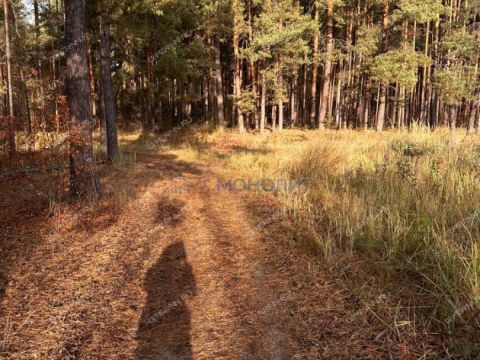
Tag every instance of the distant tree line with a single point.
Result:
(246, 64)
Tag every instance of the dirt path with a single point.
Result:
(176, 273)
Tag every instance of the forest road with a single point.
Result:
(180, 270)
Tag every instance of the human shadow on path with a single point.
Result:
(164, 327)
(3, 289)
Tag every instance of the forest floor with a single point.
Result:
(164, 267)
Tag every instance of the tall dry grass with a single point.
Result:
(409, 203)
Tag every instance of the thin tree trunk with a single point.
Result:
(11, 115)
(383, 87)
(453, 113)
(473, 113)
(434, 102)
(263, 104)
(4, 96)
(339, 118)
(425, 94)
(39, 76)
(280, 115)
(103, 124)
(293, 102)
(274, 117)
(328, 69)
(252, 71)
(27, 108)
(237, 80)
(219, 87)
(150, 89)
(91, 75)
(313, 91)
(304, 93)
(366, 115)
(478, 116)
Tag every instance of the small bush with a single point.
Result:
(409, 148)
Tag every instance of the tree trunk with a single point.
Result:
(252, 71)
(237, 80)
(339, 118)
(328, 69)
(313, 109)
(366, 114)
(103, 124)
(476, 112)
(10, 122)
(304, 95)
(27, 109)
(263, 105)
(219, 87)
(83, 180)
(293, 103)
(92, 83)
(383, 88)
(473, 113)
(41, 91)
(453, 113)
(274, 118)
(425, 94)
(107, 89)
(382, 100)
(280, 115)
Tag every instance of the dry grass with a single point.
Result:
(404, 204)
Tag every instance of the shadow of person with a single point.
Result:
(3, 289)
(164, 327)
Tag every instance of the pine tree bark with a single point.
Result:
(425, 94)
(324, 104)
(304, 94)
(107, 89)
(39, 63)
(91, 76)
(4, 110)
(237, 80)
(263, 105)
(338, 116)
(280, 115)
(471, 119)
(83, 179)
(274, 117)
(383, 88)
(293, 102)
(434, 98)
(315, 50)
(252, 71)
(12, 148)
(452, 114)
(219, 87)
(478, 116)
(27, 106)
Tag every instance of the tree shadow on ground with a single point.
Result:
(164, 327)
(168, 166)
